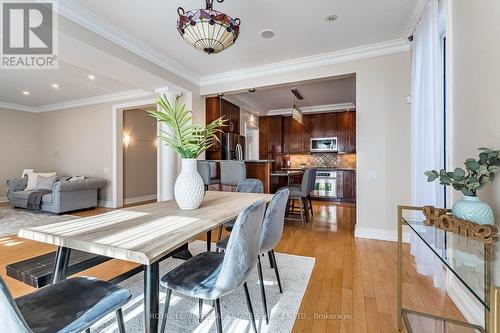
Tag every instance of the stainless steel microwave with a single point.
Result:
(324, 145)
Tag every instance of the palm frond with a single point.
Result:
(187, 139)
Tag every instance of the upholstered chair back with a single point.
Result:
(11, 319)
(274, 220)
(242, 249)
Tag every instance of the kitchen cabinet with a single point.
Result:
(217, 107)
(296, 136)
(347, 132)
(270, 135)
(323, 125)
(349, 184)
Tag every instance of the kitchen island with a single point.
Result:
(258, 169)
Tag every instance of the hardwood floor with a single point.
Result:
(352, 287)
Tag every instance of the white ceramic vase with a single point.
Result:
(189, 189)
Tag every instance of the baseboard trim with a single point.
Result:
(466, 303)
(381, 234)
(105, 204)
(143, 198)
(4, 199)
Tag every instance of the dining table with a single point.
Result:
(143, 234)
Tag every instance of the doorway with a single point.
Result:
(252, 142)
(139, 156)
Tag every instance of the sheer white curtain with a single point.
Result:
(426, 131)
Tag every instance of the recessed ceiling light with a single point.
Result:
(26, 92)
(55, 86)
(252, 90)
(91, 77)
(267, 34)
(331, 18)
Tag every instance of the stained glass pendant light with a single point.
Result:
(208, 30)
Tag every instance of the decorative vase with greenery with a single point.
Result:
(189, 141)
(477, 174)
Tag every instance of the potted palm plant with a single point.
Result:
(189, 141)
(476, 175)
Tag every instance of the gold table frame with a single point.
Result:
(492, 319)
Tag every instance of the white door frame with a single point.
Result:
(118, 147)
(167, 167)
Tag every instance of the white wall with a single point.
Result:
(383, 139)
(476, 85)
(18, 145)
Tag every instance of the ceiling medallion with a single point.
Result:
(208, 30)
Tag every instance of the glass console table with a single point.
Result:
(467, 250)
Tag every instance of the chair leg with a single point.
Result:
(250, 308)
(87, 330)
(311, 206)
(218, 317)
(165, 310)
(120, 321)
(200, 309)
(276, 271)
(271, 263)
(301, 211)
(306, 208)
(262, 291)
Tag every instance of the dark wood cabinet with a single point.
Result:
(296, 136)
(347, 132)
(323, 125)
(270, 135)
(217, 107)
(349, 184)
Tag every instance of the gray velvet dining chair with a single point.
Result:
(249, 185)
(232, 173)
(212, 275)
(208, 172)
(271, 233)
(72, 305)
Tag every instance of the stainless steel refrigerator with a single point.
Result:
(233, 146)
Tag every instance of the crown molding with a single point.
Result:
(315, 109)
(92, 22)
(331, 58)
(17, 107)
(415, 17)
(128, 94)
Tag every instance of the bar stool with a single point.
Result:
(232, 173)
(301, 194)
(208, 172)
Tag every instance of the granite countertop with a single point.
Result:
(286, 173)
(248, 161)
(321, 168)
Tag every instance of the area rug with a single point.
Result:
(13, 219)
(295, 272)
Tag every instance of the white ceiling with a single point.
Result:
(338, 90)
(98, 43)
(72, 80)
(300, 28)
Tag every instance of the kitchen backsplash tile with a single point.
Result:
(324, 160)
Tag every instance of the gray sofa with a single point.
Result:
(66, 196)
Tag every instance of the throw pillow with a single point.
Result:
(45, 183)
(77, 179)
(32, 179)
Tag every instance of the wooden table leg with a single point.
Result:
(60, 264)
(209, 240)
(151, 297)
